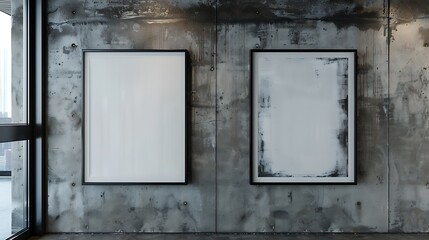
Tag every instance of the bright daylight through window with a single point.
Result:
(13, 110)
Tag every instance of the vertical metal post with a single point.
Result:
(37, 94)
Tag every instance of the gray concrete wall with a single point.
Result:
(391, 190)
(323, 25)
(409, 117)
(77, 25)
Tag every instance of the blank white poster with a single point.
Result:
(135, 111)
(303, 124)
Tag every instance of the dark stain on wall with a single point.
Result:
(342, 14)
(247, 12)
(55, 127)
(54, 178)
(280, 214)
(407, 11)
(424, 35)
(360, 19)
(76, 119)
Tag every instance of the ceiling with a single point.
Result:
(5, 6)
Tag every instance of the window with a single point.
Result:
(5, 88)
(5, 68)
(21, 128)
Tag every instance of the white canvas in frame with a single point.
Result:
(135, 108)
(303, 108)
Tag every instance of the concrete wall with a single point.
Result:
(392, 184)
(409, 117)
(321, 25)
(128, 24)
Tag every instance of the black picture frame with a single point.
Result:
(188, 79)
(274, 73)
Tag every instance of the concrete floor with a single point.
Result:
(233, 237)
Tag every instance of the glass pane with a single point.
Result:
(13, 188)
(5, 159)
(13, 83)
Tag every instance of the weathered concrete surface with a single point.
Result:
(409, 117)
(77, 25)
(219, 197)
(359, 13)
(288, 25)
(235, 237)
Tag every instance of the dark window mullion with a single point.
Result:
(23, 234)
(37, 97)
(11, 133)
(5, 173)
